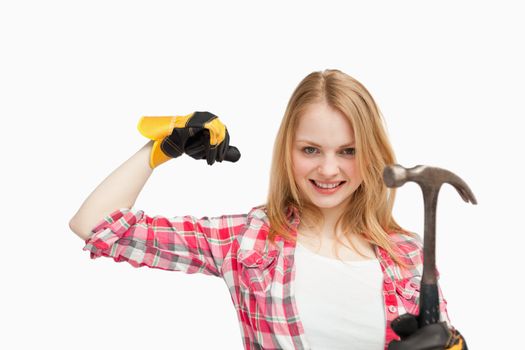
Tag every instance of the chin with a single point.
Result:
(327, 204)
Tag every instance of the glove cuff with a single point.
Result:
(157, 129)
(157, 156)
(456, 341)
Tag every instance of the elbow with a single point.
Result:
(77, 229)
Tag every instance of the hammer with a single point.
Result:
(430, 180)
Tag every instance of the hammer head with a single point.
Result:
(428, 178)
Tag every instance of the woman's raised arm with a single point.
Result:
(201, 135)
(119, 190)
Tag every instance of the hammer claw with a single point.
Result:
(464, 191)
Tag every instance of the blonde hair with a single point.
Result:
(368, 213)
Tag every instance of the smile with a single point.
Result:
(326, 188)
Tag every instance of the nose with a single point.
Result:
(329, 167)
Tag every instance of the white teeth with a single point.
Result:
(322, 185)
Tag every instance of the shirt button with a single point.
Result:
(388, 280)
(392, 308)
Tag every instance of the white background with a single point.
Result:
(75, 78)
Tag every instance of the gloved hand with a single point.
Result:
(201, 135)
(436, 336)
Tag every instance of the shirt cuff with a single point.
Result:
(110, 229)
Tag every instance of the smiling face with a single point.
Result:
(323, 156)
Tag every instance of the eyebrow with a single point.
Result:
(316, 145)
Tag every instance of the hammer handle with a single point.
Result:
(428, 304)
(429, 294)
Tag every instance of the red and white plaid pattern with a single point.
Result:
(259, 275)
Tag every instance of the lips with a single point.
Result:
(339, 183)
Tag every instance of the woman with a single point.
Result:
(321, 265)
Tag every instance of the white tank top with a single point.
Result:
(340, 304)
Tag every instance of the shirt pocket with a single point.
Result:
(257, 271)
(408, 291)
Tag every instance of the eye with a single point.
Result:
(309, 150)
(349, 151)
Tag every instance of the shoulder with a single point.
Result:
(259, 212)
(409, 246)
(406, 241)
(257, 221)
(255, 233)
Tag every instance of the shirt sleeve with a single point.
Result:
(181, 243)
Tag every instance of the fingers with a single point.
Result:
(223, 147)
(197, 144)
(433, 336)
(211, 154)
(405, 325)
(203, 136)
(217, 129)
(227, 152)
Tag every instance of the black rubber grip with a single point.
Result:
(232, 154)
(428, 304)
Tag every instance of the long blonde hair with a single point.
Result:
(368, 213)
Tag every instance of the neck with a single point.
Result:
(326, 230)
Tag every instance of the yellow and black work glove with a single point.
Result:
(201, 135)
(435, 336)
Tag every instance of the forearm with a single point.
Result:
(119, 190)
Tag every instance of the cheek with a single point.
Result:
(301, 166)
(352, 170)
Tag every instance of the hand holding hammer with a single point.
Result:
(424, 331)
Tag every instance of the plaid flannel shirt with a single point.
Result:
(259, 275)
